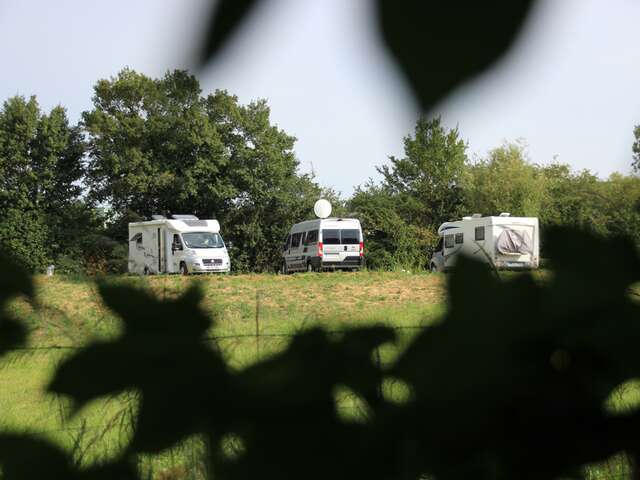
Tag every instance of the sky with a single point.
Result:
(568, 88)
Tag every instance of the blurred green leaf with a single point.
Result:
(439, 45)
(14, 280)
(161, 353)
(226, 16)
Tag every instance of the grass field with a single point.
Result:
(70, 314)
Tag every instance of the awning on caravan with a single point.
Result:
(136, 237)
(512, 241)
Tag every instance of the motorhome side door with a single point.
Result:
(177, 251)
(449, 250)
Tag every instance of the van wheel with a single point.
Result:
(310, 267)
(145, 272)
(434, 269)
(183, 269)
(283, 269)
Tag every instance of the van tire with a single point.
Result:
(284, 270)
(145, 272)
(433, 268)
(310, 267)
(183, 269)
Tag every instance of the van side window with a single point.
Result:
(479, 233)
(439, 246)
(459, 237)
(448, 241)
(286, 243)
(139, 243)
(312, 237)
(295, 240)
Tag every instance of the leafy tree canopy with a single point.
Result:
(427, 181)
(158, 146)
(41, 164)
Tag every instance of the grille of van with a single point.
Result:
(212, 261)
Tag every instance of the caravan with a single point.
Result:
(504, 241)
(182, 244)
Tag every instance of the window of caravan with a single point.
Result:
(448, 241)
(312, 237)
(286, 243)
(331, 237)
(479, 233)
(138, 239)
(341, 237)
(459, 237)
(202, 240)
(350, 237)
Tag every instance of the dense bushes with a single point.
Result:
(400, 215)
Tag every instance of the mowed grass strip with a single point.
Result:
(70, 311)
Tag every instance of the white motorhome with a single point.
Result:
(180, 244)
(504, 241)
(323, 243)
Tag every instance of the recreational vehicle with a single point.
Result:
(504, 241)
(180, 244)
(323, 243)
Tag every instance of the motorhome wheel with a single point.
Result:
(310, 267)
(183, 269)
(434, 269)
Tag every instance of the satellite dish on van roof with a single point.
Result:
(322, 208)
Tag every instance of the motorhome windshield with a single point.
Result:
(203, 240)
(341, 237)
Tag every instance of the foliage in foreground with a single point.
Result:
(513, 383)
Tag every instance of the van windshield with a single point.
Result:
(203, 240)
(341, 237)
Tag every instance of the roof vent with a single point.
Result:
(477, 215)
(158, 217)
(184, 217)
(505, 214)
(466, 218)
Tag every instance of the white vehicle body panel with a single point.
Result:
(504, 241)
(151, 247)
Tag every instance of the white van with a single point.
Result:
(323, 243)
(504, 241)
(182, 244)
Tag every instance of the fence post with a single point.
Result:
(257, 324)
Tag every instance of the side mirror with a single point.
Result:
(176, 246)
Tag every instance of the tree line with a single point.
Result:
(159, 145)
